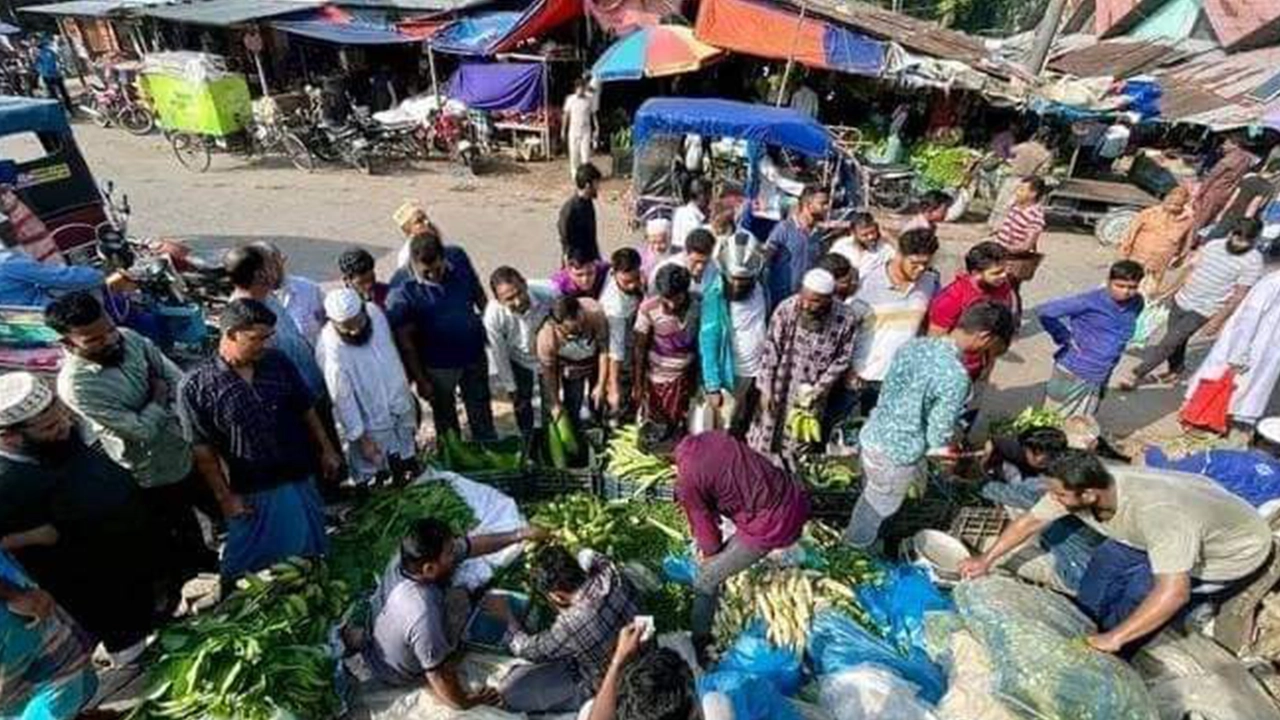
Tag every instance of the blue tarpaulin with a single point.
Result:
(498, 86)
(477, 34)
(345, 27)
(763, 124)
(23, 114)
(852, 52)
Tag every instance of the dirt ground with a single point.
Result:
(507, 215)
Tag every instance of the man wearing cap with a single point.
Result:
(122, 384)
(412, 220)
(808, 351)
(373, 408)
(731, 339)
(74, 518)
(666, 349)
(657, 244)
(257, 436)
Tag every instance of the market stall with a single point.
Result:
(514, 93)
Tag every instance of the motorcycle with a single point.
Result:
(111, 105)
(333, 142)
(463, 137)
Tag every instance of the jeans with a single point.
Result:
(731, 560)
(526, 384)
(473, 382)
(1183, 324)
(549, 687)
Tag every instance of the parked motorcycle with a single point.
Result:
(347, 142)
(463, 137)
(111, 105)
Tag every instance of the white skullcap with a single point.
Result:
(819, 281)
(1269, 429)
(22, 397)
(656, 226)
(343, 304)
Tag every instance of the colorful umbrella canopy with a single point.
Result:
(654, 51)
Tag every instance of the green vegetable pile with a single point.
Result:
(461, 456)
(940, 166)
(1029, 418)
(624, 531)
(620, 139)
(822, 472)
(628, 462)
(260, 654)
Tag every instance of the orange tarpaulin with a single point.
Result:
(754, 29)
(550, 16)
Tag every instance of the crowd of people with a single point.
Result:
(103, 472)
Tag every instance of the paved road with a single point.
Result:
(508, 216)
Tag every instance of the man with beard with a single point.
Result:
(666, 348)
(301, 297)
(1220, 276)
(865, 247)
(986, 278)
(77, 520)
(807, 353)
(1091, 331)
(845, 275)
(511, 323)
(257, 435)
(122, 384)
(1172, 538)
(418, 618)
(792, 248)
(920, 402)
(735, 321)
(373, 408)
(620, 301)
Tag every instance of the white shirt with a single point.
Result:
(682, 260)
(896, 316)
(577, 115)
(620, 310)
(686, 219)
(864, 261)
(750, 319)
(805, 100)
(304, 300)
(367, 382)
(511, 337)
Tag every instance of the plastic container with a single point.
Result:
(938, 554)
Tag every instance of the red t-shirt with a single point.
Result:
(951, 302)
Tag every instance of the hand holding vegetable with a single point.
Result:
(715, 399)
(533, 533)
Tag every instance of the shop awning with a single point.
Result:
(489, 33)
(223, 13)
(498, 87)
(769, 31)
(89, 8)
(345, 27)
(764, 124)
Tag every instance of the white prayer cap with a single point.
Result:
(1269, 429)
(22, 397)
(819, 281)
(343, 304)
(657, 226)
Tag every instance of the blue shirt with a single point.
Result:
(1252, 475)
(1091, 331)
(24, 281)
(921, 399)
(795, 253)
(448, 329)
(47, 63)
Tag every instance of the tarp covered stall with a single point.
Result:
(760, 124)
(345, 27)
(225, 13)
(498, 31)
(496, 87)
(768, 31)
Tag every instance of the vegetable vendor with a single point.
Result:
(418, 618)
(571, 349)
(923, 395)
(666, 349)
(511, 323)
(720, 476)
(594, 601)
(375, 413)
(1173, 538)
(731, 337)
(1024, 457)
(808, 351)
(257, 438)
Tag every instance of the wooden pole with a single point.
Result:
(262, 74)
(791, 56)
(435, 80)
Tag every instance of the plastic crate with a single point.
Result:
(616, 488)
(978, 527)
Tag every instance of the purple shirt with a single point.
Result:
(563, 282)
(1091, 331)
(719, 475)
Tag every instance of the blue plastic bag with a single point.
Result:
(751, 699)
(680, 569)
(838, 643)
(899, 603)
(753, 654)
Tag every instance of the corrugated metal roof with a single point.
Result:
(1109, 15)
(1121, 58)
(89, 8)
(1231, 77)
(916, 35)
(1244, 22)
(225, 12)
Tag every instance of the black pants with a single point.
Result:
(172, 509)
(1183, 324)
(56, 89)
(526, 384)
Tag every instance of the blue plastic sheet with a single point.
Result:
(753, 654)
(837, 643)
(1251, 475)
(760, 124)
(680, 569)
(751, 699)
(898, 605)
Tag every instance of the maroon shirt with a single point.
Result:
(719, 475)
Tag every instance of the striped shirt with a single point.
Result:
(674, 339)
(1216, 274)
(1021, 228)
(897, 315)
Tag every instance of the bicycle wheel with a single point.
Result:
(297, 151)
(137, 120)
(191, 150)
